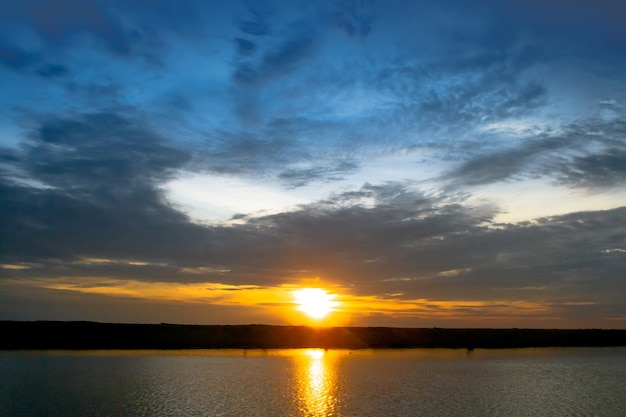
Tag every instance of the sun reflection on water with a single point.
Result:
(316, 382)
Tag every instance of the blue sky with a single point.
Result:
(444, 163)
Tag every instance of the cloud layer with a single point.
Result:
(406, 132)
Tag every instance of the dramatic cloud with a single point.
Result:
(432, 163)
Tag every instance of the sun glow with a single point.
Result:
(315, 302)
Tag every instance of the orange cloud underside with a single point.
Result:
(279, 299)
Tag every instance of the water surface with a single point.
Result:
(313, 382)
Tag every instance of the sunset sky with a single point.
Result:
(428, 163)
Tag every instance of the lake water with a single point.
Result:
(411, 382)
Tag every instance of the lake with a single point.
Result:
(314, 382)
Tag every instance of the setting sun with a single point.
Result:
(315, 302)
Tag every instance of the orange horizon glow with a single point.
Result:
(319, 305)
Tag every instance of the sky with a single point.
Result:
(429, 164)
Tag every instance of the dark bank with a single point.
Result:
(92, 335)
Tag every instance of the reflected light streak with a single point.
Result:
(316, 383)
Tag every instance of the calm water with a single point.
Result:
(415, 382)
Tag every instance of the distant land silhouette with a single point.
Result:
(92, 335)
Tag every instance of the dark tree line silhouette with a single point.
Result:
(91, 335)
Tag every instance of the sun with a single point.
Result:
(315, 302)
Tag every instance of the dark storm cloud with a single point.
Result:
(596, 170)
(427, 248)
(505, 164)
(99, 196)
(578, 157)
(53, 224)
(424, 248)
(562, 253)
(40, 224)
(342, 236)
(103, 149)
(379, 239)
